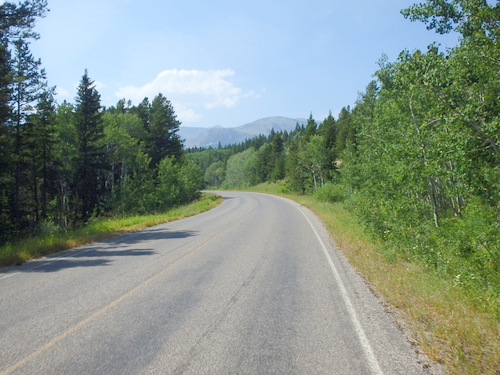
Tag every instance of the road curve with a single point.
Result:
(254, 286)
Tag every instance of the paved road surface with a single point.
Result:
(254, 286)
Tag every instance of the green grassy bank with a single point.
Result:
(53, 241)
(445, 321)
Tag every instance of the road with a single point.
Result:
(254, 286)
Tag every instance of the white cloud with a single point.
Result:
(188, 90)
(99, 85)
(186, 114)
(62, 92)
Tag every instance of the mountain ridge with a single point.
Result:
(212, 137)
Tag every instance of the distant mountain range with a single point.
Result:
(211, 137)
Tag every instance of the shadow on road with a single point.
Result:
(147, 235)
(103, 252)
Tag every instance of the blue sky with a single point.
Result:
(225, 62)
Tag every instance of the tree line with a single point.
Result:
(61, 164)
(417, 157)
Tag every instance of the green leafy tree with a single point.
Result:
(470, 18)
(138, 194)
(123, 132)
(66, 154)
(241, 170)
(215, 174)
(296, 173)
(425, 163)
(168, 189)
(190, 181)
(311, 163)
(177, 182)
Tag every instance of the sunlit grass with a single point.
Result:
(97, 229)
(446, 322)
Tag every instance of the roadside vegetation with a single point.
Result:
(52, 239)
(64, 166)
(414, 167)
(455, 327)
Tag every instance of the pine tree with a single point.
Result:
(163, 126)
(16, 66)
(40, 143)
(89, 184)
(345, 130)
(6, 161)
(28, 85)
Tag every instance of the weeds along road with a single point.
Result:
(254, 286)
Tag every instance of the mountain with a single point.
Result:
(211, 137)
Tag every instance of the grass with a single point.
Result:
(97, 229)
(445, 321)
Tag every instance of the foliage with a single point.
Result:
(331, 192)
(51, 238)
(162, 130)
(416, 158)
(62, 165)
(454, 325)
(241, 170)
(91, 162)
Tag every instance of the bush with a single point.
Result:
(47, 227)
(331, 192)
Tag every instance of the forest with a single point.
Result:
(62, 164)
(416, 157)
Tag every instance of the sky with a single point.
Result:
(226, 62)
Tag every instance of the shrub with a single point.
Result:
(331, 192)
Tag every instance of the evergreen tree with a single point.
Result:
(17, 20)
(28, 86)
(89, 179)
(17, 72)
(311, 127)
(163, 140)
(143, 111)
(5, 84)
(40, 142)
(345, 131)
(328, 130)
(6, 162)
(278, 171)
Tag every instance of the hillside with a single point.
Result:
(211, 137)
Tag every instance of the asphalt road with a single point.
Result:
(254, 286)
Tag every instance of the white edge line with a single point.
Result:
(9, 275)
(372, 360)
